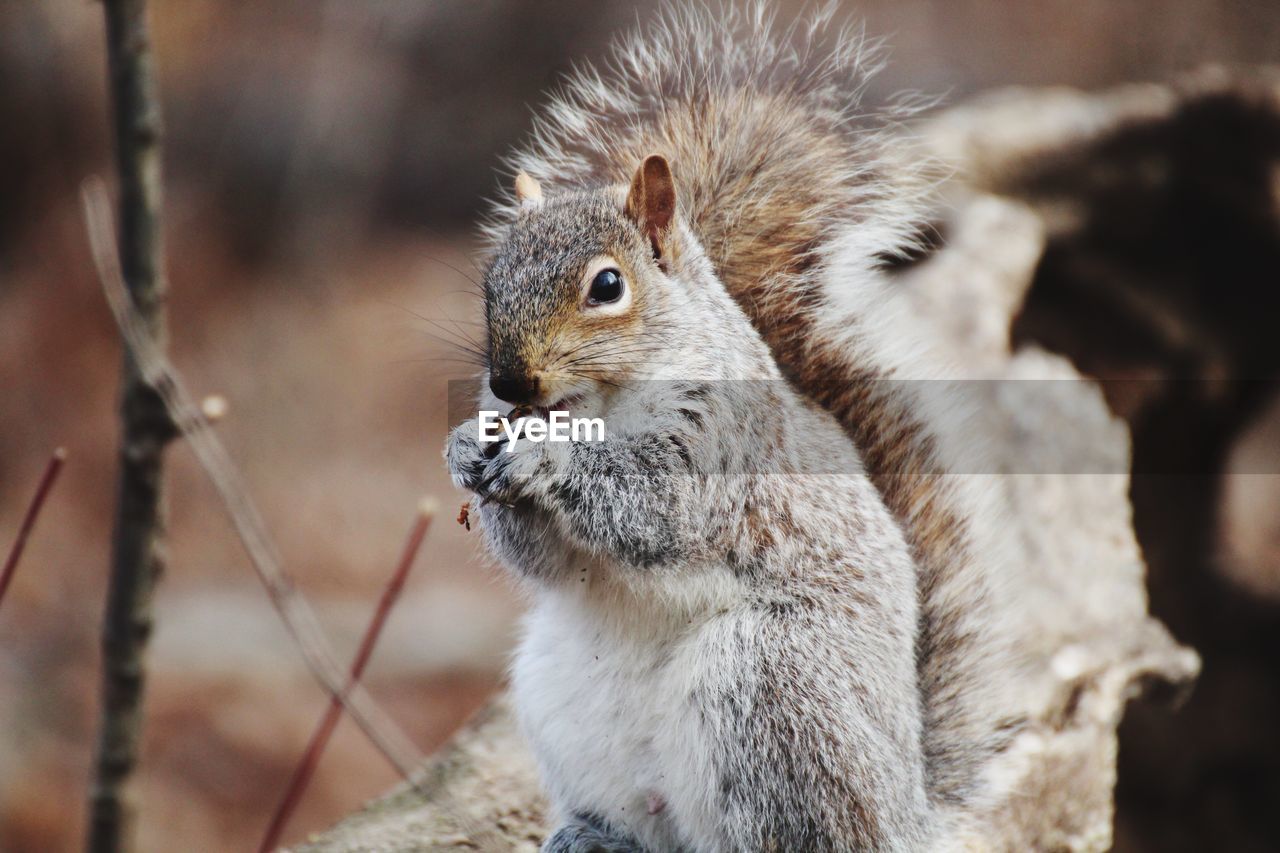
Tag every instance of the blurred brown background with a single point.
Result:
(325, 164)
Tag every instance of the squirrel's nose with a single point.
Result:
(516, 390)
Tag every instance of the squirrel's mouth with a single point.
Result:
(561, 405)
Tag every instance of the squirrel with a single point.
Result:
(762, 616)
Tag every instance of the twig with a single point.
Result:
(298, 616)
(29, 520)
(320, 738)
(136, 558)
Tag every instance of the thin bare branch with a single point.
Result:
(47, 480)
(294, 610)
(137, 556)
(329, 722)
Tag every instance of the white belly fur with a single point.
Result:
(602, 691)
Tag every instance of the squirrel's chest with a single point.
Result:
(611, 722)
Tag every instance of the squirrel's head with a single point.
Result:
(578, 295)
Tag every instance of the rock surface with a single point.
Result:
(479, 792)
(1062, 460)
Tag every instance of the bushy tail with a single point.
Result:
(798, 196)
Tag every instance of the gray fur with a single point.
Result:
(588, 834)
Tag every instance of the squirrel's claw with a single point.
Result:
(485, 489)
(494, 448)
(510, 476)
(489, 498)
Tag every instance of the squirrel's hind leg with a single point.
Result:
(585, 833)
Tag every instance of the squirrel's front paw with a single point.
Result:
(585, 834)
(509, 476)
(466, 456)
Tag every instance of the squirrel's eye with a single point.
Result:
(605, 287)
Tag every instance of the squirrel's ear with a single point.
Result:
(651, 203)
(528, 191)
